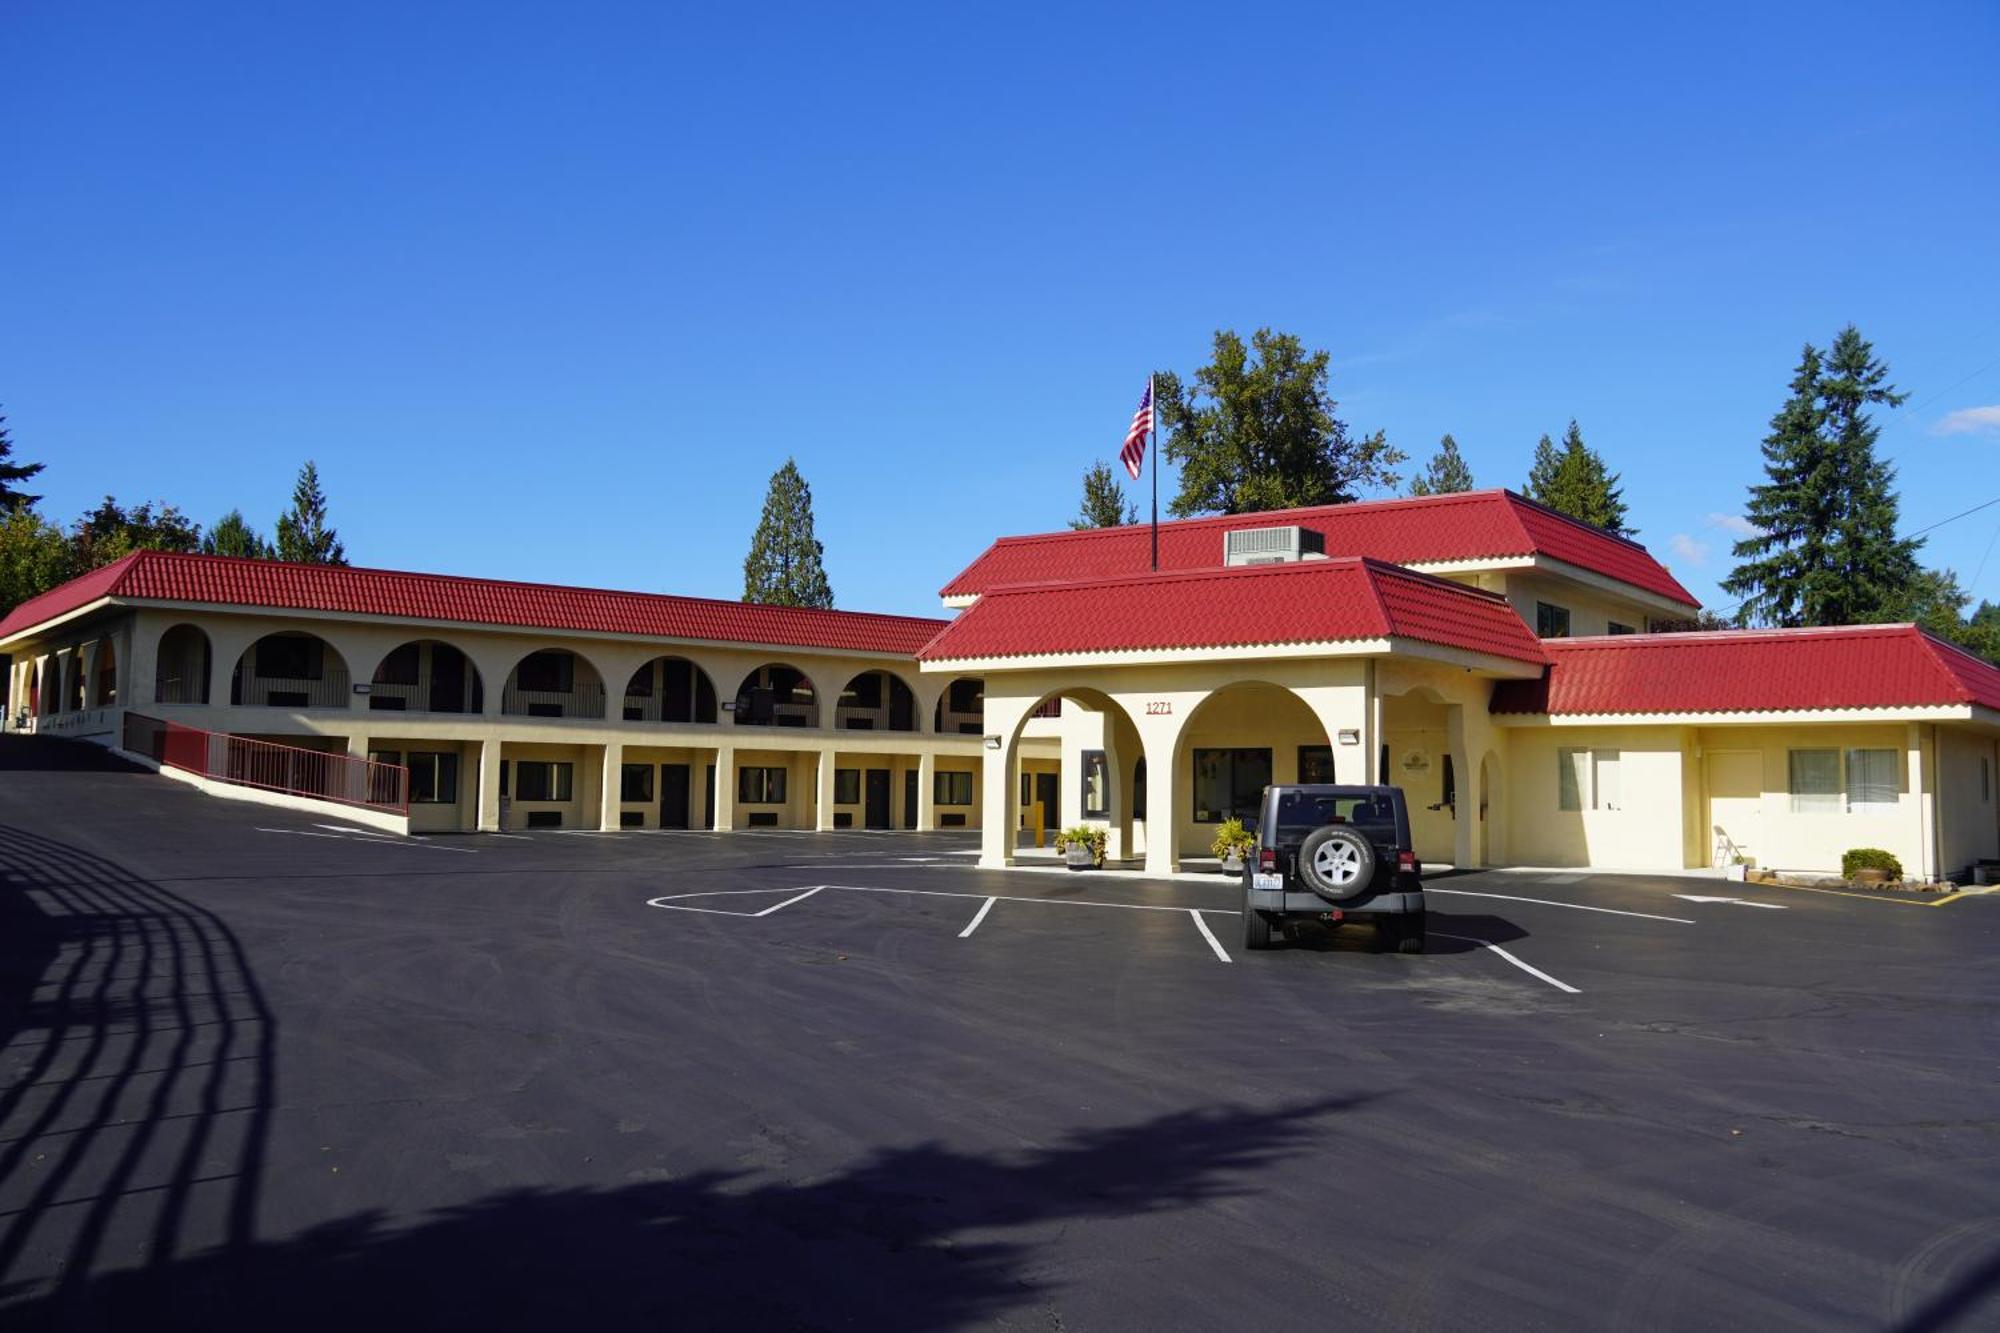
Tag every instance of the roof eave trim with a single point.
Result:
(1747, 717)
(43, 626)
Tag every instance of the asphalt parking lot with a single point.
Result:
(262, 1070)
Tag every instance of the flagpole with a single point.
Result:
(1155, 414)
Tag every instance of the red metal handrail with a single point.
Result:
(269, 766)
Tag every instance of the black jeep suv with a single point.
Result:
(1330, 853)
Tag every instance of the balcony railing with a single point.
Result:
(178, 690)
(578, 701)
(424, 697)
(243, 762)
(328, 691)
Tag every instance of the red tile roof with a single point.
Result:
(1753, 671)
(167, 577)
(1470, 525)
(1311, 601)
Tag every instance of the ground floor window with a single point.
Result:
(635, 782)
(1868, 782)
(1316, 763)
(1587, 779)
(433, 775)
(1096, 785)
(846, 786)
(542, 780)
(1814, 781)
(951, 788)
(1874, 781)
(1229, 783)
(760, 786)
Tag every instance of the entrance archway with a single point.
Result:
(1417, 755)
(1237, 741)
(1092, 780)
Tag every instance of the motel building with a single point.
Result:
(1487, 655)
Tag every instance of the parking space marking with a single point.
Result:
(1208, 934)
(1529, 968)
(387, 840)
(1551, 902)
(674, 903)
(671, 900)
(978, 917)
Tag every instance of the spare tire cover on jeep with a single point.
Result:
(1336, 862)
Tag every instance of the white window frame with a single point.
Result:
(1829, 801)
(1852, 785)
(1589, 778)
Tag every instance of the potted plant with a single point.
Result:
(1870, 866)
(1082, 846)
(1233, 842)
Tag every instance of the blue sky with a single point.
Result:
(550, 290)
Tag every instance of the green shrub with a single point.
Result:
(1859, 859)
(1231, 834)
(1084, 835)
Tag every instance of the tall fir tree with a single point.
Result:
(1446, 473)
(11, 496)
(233, 535)
(785, 565)
(1574, 480)
(1104, 503)
(1826, 550)
(304, 536)
(1256, 431)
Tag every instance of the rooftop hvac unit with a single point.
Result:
(1271, 546)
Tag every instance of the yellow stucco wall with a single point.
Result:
(1968, 790)
(1643, 832)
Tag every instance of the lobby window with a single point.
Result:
(1096, 785)
(1587, 779)
(541, 780)
(760, 786)
(847, 786)
(1874, 781)
(1551, 621)
(635, 782)
(1615, 628)
(1316, 763)
(1814, 781)
(951, 788)
(1229, 783)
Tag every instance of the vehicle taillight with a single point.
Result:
(1406, 862)
(1267, 859)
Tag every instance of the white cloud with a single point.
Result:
(1970, 421)
(1734, 524)
(1683, 547)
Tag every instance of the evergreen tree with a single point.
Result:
(233, 535)
(12, 472)
(1826, 550)
(784, 565)
(1104, 503)
(1446, 473)
(303, 534)
(1574, 480)
(1256, 431)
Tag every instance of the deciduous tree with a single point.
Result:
(1256, 431)
(785, 566)
(111, 532)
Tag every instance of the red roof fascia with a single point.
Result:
(1469, 525)
(1753, 671)
(1312, 601)
(221, 580)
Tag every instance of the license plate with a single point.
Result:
(1267, 881)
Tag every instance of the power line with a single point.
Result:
(1955, 517)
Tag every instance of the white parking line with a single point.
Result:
(1551, 902)
(1208, 934)
(672, 901)
(1529, 968)
(978, 917)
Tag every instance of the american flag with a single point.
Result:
(1134, 452)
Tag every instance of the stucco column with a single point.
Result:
(45, 688)
(612, 799)
(926, 792)
(489, 786)
(87, 664)
(823, 795)
(1166, 790)
(725, 787)
(1465, 795)
(1923, 807)
(999, 806)
(221, 669)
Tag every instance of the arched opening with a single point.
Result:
(1238, 741)
(181, 672)
(290, 669)
(669, 689)
(73, 682)
(776, 695)
(961, 709)
(104, 686)
(34, 689)
(426, 676)
(1416, 755)
(876, 701)
(554, 682)
(1074, 759)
